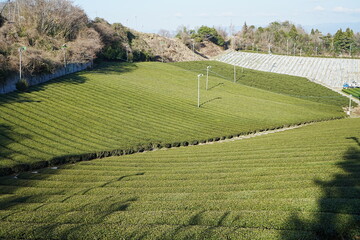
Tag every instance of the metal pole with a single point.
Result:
(287, 46)
(200, 75)
(349, 112)
(64, 57)
(20, 62)
(207, 77)
(234, 73)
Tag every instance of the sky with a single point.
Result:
(153, 15)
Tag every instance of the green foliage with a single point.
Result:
(298, 184)
(353, 91)
(114, 53)
(343, 40)
(286, 38)
(22, 85)
(210, 34)
(123, 105)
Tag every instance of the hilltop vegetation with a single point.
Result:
(286, 38)
(132, 107)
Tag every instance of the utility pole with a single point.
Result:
(287, 47)
(21, 49)
(63, 47)
(270, 49)
(349, 112)
(234, 73)
(200, 75)
(207, 77)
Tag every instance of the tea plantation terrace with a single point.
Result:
(298, 184)
(123, 108)
(332, 72)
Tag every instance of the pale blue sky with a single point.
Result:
(152, 15)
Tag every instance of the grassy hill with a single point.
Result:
(298, 184)
(280, 83)
(131, 107)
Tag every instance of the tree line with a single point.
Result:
(278, 37)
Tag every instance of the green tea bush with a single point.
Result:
(22, 85)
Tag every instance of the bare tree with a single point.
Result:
(164, 33)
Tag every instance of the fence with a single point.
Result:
(10, 83)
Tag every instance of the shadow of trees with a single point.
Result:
(114, 67)
(75, 220)
(338, 215)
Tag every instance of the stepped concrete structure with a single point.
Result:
(331, 72)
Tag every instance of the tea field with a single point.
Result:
(353, 91)
(297, 184)
(129, 107)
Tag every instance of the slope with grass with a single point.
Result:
(299, 184)
(279, 83)
(126, 106)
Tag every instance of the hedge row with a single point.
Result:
(4, 171)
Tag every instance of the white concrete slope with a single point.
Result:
(331, 72)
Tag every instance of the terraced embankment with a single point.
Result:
(123, 108)
(298, 184)
(332, 72)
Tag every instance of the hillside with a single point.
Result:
(56, 33)
(132, 106)
(298, 184)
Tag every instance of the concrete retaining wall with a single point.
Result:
(10, 83)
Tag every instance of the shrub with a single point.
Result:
(185, 143)
(195, 142)
(168, 145)
(37, 165)
(5, 171)
(20, 168)
(22, 85)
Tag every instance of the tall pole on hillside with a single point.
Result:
(287, 46)
(21, 49)
(200, 75)
(207, 77)
(234, 73)
(63, 47)
(349, 112)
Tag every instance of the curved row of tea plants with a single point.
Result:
(298, 184)
(122, 106)
(355, 92)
